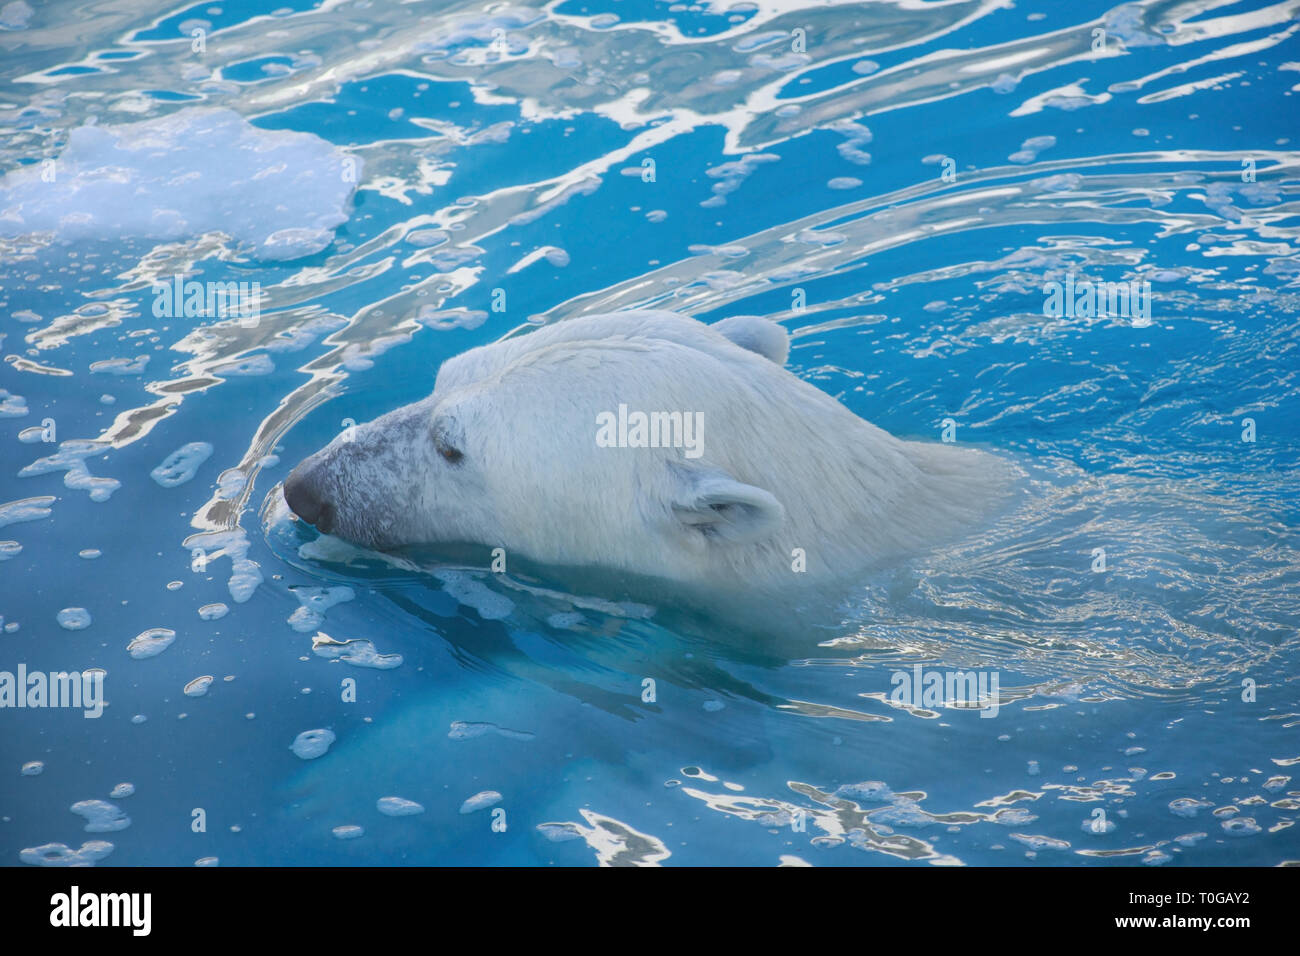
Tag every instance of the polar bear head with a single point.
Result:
(609, 441)
(644, 443)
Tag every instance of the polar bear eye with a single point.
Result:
(446, 434)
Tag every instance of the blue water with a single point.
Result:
(1160, 690)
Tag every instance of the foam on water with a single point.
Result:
(461, 585)
(26, 509)
(101, 816)
(314, 603)
(358, 652)
(60, 854)
(182, 464)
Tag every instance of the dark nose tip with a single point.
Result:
(304, 499)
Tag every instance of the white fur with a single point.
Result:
(783, 465)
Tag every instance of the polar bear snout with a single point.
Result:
(305, 498)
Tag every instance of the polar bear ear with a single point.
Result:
(757, 334)
(714, 504)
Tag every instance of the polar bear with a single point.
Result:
(648, 446)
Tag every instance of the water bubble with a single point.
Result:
(198, 687)
(311, 744)
(73, 618)
(480, 801)
(150, 643)
(398, 807)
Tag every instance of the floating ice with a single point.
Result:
(32, 768)
(60, 854)
(101, 816)
(843, 182)
(314, 603)
(480, 801)
(182, 464)
(9, 549)
(89, 554)
(311, 744)
(206, 861)
(195, 171)
(213, 612)
(348, 832)
(397, 807)
(359, 653)
(122, 790)
(151, 643)
(73, 618)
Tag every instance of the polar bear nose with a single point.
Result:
(305, 500)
